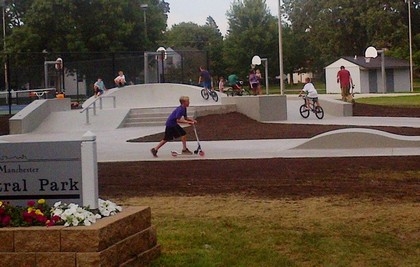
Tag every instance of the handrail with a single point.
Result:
(27, 91)
(94, 105)
(38, 92)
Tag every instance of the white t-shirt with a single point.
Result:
(310, 90)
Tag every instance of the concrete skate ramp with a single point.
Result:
(154, 95)
(355, 138)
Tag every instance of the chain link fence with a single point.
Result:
(81, 70)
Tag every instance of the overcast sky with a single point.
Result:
(197, 11)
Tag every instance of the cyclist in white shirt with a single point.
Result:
(310, 92)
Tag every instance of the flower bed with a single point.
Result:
(39, 213)
(125, 239)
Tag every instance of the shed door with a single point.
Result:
(390, 81)
(373, 81)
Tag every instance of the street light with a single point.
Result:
(162, 52)
(280, 51)
(372, 52)
(6, 72)
(145, 7)
(410, 45)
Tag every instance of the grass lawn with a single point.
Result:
(237, 231)
(399, 101)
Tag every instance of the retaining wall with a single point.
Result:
(125, 239)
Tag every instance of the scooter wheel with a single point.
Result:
(201, 153)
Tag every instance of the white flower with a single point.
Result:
(108, 208)
(74, 215)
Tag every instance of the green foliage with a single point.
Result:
(335, 28)
(314, 33)
(252, 31)
(81, 26)
(207, 38)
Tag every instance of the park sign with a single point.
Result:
(50, 170)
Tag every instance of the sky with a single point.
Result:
(197, 11)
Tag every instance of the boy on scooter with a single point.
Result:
(172, 128)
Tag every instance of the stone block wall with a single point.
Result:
(125, 239)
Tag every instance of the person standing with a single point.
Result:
(205, 78)
(221, 84)
(173, 129)
(260, 81)
(344, 78)
(254, 83)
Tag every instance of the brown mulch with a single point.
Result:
(396, 178)
(236, 126)
(384, 111)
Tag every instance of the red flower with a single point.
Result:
(5, 220)
(27, 217)
(41, 218)
(31, 203)
(56, 218)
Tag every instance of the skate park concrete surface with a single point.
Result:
(112, 136)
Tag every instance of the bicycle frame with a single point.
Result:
(317, 110)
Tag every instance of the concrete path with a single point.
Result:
(112, 145)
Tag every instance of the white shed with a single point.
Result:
(367, 77)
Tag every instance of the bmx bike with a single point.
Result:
(237, 90)
(304, 111)
(207, 92)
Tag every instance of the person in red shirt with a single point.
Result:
(344, 78)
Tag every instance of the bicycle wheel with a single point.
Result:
(303, 111)
(246, 91)
(204, 93)
(214, 96)
(319, 112)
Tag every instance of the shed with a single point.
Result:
(367, 77)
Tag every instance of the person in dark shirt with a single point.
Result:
(172, 128)
(205, 78)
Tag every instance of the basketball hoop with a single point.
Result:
(40, 94)
(59, 63)
(256, 60)
(370, 52)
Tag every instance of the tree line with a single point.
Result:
(314, 33)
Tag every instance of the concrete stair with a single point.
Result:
(139, 117)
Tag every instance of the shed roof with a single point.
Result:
(375, 63)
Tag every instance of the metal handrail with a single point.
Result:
(27, 91)
(94, 106)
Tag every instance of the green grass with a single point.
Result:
(236, 231)
(398, 101)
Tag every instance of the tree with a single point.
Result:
(81, 26)
(81, 29)
(335, 28)
(206, 40)
(252, 31)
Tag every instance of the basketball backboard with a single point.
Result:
(256, 60)
(370, 52)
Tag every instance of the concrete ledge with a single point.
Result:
(29, 118)
(336, 107)
(355, 138)
(200, 111)
(125, 239)
(260, 108)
